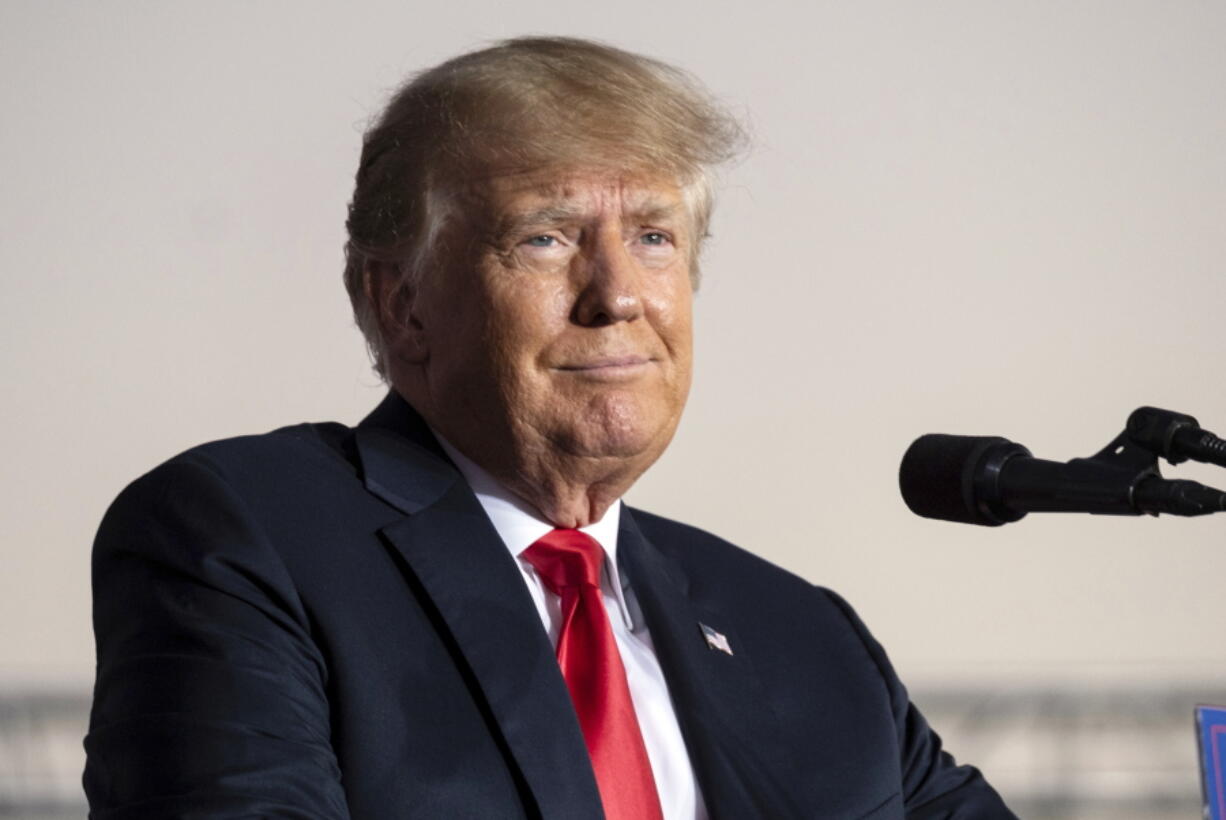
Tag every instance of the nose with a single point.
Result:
(610, 282)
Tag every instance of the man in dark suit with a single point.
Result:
(446, 611)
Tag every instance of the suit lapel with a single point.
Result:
(724, 717)
(455, 554)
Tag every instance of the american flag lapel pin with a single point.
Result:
(715, 640)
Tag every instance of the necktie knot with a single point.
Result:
(566, 559)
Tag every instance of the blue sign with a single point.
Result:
(1211, 726)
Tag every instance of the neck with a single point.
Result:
(564, 496)
(565, 504)
(568, 491)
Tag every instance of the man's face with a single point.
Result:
(564, 328)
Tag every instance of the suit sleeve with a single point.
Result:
(210, 699)
(935, 787)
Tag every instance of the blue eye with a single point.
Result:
(654, 238)
(543, 241)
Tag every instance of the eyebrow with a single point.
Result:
(564, 212)
(548, 215)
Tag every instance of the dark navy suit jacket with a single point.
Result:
(322, 622)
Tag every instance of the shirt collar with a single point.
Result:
(519, 524)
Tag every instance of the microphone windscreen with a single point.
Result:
(937, 477)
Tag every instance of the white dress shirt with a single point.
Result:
(520, 526)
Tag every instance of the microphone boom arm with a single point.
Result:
(1121, 479)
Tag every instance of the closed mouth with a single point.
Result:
(608, 363)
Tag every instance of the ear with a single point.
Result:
(395, 304)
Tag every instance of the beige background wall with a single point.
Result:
(1002, 217)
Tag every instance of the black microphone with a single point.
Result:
(991, 481)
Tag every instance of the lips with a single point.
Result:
(608, 362)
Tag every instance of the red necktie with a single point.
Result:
(569, 562)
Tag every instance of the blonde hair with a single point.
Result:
(523, 104)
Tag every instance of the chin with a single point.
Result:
(623, 429)
(627, 444)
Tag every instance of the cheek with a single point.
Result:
(677, 332)
(673, 311)
(524, 320)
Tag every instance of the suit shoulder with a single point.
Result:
(321, 442)
(278, 456)
(305, 442)
(248, 495)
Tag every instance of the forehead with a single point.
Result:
(563, 192)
